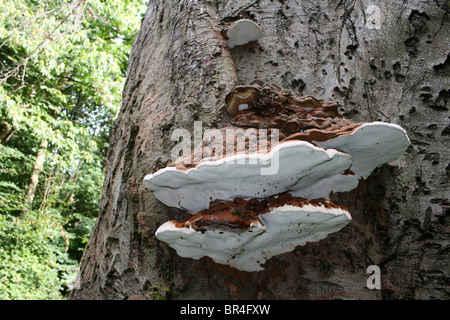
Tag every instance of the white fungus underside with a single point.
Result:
(304, 170)
(283, 229)
(371, 145)
(242, 32)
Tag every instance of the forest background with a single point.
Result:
(62, 71)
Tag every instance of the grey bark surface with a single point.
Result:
(180, 71)
(34, 178)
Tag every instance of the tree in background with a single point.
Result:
(62, 70)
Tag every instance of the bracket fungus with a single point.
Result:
(370, 145)
(320, 123)
(241, 32)
(300, 166)
(245, 234)
(247, 207)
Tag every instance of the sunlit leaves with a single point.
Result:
(62, 70)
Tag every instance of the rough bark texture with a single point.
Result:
(6, 131)
(37, 168)
(180, 70)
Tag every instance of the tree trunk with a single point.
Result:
(37, 168)
(386, 62)
(6, 131)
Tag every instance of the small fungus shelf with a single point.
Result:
(241, 32)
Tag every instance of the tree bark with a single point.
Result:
(180, 70)
(6, 131)
(37, 168)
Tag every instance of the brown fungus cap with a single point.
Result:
(238, 214)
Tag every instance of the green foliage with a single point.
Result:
(62, 69)
(15, 168)
(31, 257)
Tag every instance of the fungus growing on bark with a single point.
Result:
(370, 145)
(241, 32)
(242, 216)
(241, 95)
(298, 166)
(246, 233)
(319, 122)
